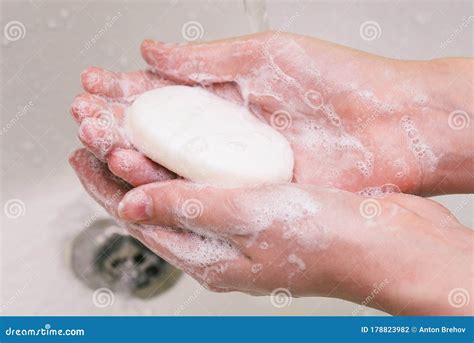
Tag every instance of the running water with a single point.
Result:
(256, 11)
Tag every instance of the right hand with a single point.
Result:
(307, 240)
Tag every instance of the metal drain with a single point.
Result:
(104, 255)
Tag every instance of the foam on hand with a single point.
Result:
(207, 139)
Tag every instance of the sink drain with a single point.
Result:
(104, 255)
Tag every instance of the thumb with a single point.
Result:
(180, 204)
(219, 61)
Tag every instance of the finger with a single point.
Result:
(117, 84)
(187, 250)
(178, 203)
(101, 137)
(98, 181)
(157, 239)
(205, 63)
(214, 263)
(87, 105)
(136, 168)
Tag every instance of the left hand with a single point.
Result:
(334, 105)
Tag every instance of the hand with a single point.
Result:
(306, 239)
(354, 120)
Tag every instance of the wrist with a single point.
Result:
(430, 270)
(430, 128)
(408, 265)
(439, 127)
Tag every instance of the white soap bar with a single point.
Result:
(207, 139)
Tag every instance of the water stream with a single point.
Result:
(256, 11)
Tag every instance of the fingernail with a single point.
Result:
(136, 206)
(147, 43)
(90, 77)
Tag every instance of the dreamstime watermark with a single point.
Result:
(197, 292)
(47, 330)
(103, 120)
(14, 30)
(14, 208)
(285, 27)
(450, 218)
(458, 120)
(192, 31)
(461, 27)
(370, 208)
(280, 297)
(12, 122)
(103, 297)
(282, 29)
(107, 203)
(192, 209)
(281, 120)
(32, 275)
(366, 123)
(370, 30)
(459, 297)
(107, 26)
(377, 289)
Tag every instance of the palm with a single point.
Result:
(337, 129)
(331, 149)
